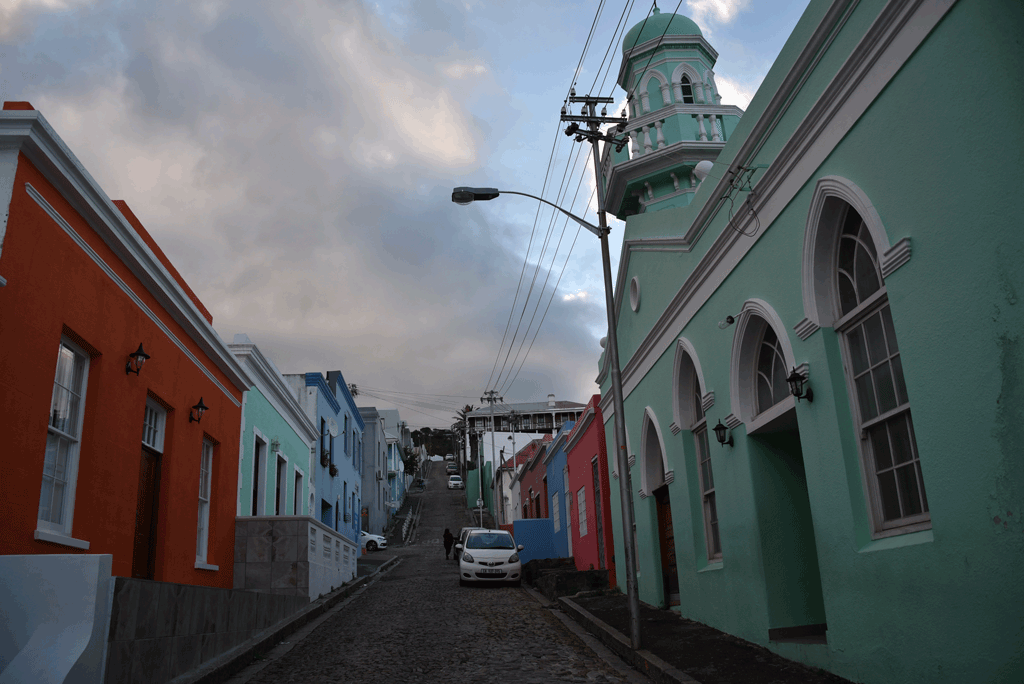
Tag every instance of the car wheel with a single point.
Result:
(371, 546)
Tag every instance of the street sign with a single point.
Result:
(479, 502)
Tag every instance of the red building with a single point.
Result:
(100, 456)
(587, 461)
(533, 480)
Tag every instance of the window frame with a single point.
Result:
(844, 324)
(203, 523)
(702, 445)
(61, 533)
(160, 428)
(581, 510)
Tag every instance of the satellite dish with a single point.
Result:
(332, 427)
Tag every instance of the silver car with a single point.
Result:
(489, 556)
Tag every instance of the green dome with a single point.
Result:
(659, 24)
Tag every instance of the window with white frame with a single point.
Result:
(770, 386)
(281, 494)
(205, 487)
(699, 428)
(687, 90)
(555, 517)
(581, 505)
(297, 499)
(63, 440)
(153, 421)
(881, 408)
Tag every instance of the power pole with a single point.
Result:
(592, 132)
(491, 397)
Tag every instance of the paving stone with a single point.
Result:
(417, 624)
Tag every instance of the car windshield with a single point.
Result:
(455, 478)
(490, 540)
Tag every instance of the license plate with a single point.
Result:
(490, 571)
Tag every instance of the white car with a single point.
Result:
(489, 556)
(372, 542)
(455, 482)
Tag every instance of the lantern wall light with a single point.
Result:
(135, 360)
(720, 434)
(796, 387)
(196, 414)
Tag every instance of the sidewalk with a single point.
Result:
(674, 649)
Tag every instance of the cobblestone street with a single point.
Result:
(417, 624)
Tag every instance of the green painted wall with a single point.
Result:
(938, 605)
(261, 414)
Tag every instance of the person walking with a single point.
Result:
(448, 541)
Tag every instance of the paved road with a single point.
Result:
(417, 624)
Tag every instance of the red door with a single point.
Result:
(667, 540)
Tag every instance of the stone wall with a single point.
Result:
(160, 630)
(292, 556)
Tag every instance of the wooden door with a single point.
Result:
(598, 515)
(143, 557)
(667, 540)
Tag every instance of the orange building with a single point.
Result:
(101, 456)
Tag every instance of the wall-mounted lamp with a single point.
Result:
(135, 361)
(720, 432)
(196, 414)
(796, 387)
(726, 322)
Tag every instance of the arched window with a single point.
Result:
(699, 428)
(875, 373)
(687, 90)
(771, 383)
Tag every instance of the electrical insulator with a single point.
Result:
(563, 110)
(572, 92)
(604, 111)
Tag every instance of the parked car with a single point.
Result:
(455, 482)
(450, 457)
(452, 469)
(462, 537)
(489, 556)
(372, 542)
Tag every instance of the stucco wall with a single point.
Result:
(889, 603)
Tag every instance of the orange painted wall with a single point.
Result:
(53, 283)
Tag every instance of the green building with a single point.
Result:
(858, 231)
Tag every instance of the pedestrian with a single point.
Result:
(448, 541)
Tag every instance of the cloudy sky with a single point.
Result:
(295, 161)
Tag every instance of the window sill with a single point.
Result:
(62, 539)
(895, 542)
(717, 565)
(205, 566)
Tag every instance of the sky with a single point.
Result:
(295, 161)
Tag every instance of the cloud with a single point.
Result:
(720, 11)
(735, 93)
(463, 69)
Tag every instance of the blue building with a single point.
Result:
(555, 464)
(335, 495)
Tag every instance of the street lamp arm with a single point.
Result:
(589, 226)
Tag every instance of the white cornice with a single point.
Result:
(666, 40)
(898, 30)
(33, 136)
(272, 386)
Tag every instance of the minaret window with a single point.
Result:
(687, 91)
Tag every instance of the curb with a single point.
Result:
(229, 663)
(644, 661)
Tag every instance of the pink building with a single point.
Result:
(591, 517)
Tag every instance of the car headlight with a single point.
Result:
(514, 558)
(466, 557)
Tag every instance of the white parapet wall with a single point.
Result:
(55, 612)
(295, 555)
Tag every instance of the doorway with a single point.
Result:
(144, 553)
(796, 607)
(667, 542)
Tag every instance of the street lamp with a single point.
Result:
(465, 196)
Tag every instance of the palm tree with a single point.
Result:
(462, 423)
